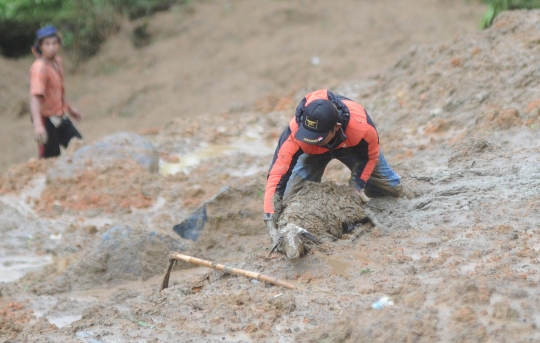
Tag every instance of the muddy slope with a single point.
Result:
(459, 262)
(475, 85)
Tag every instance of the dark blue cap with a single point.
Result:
(318, 120)
(47, 31)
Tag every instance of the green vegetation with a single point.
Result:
(85, 24)
(366, 271)
(135, 9)
(497, 6)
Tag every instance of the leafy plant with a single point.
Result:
(498, 6)
(85, 24)
(139, 8)
(366, 271)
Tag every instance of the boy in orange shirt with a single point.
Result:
(48, 107)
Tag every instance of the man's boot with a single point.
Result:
(405, 191)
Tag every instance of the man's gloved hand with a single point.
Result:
(359, 190)
(362, 196)
(271, 226)
(271, 219)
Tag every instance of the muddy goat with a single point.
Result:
(318, 212)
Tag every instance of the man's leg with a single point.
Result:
(308, 168)
(383, 180)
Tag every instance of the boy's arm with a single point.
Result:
(74, 112)
(40, 134)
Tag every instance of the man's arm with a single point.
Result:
(364, 173)
(40, 134)
(285, 158)
(372, 139)
(74, 112)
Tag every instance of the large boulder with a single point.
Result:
(104, 154)
(123, 253)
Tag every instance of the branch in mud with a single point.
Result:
(214, 265)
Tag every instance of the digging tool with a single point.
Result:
(252, 275)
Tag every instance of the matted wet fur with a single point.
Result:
(319, 212)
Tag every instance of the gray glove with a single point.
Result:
(271, 226)
(362, 195)
(271, 219)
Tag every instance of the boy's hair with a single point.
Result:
(43, 33)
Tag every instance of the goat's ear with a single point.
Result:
(309, 235)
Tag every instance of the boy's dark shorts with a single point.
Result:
(57, 136)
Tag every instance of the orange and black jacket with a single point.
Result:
(358, 133)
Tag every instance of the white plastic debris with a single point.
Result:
(55, 236)
(315, 60)
(382, 302)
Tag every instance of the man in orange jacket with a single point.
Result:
(327, 126)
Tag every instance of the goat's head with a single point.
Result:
(291, 241)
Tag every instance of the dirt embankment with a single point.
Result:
(475, 85)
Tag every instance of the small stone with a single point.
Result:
(456, 61)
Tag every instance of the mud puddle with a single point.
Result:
(338, 265)
(13, 268)
(248, 143)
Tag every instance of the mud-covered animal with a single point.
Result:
(319, 212)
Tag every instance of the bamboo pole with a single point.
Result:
(252, 275)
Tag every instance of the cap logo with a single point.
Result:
(313, 140)
(311, 123)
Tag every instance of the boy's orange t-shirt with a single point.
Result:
(46, 80)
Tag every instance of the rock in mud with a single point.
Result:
(234, 210)
(123, 253)
(106, 153)
(465, 152)
(319, 212)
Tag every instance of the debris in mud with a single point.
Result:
(382, 302)
(319, 212)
